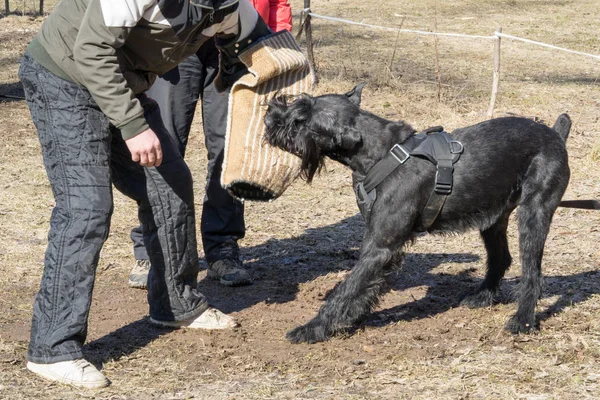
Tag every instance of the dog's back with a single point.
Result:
(505, 159)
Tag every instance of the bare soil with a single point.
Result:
(418, 344)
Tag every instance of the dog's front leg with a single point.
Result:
(352, 299)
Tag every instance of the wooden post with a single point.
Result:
(7, 7)
(496, 82)
(309, 43)
(41, 7)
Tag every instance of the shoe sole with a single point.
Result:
(137, 285)
(177, 325)
(138, 281)
(215, 276)
(57, 378)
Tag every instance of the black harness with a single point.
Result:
(434, 145)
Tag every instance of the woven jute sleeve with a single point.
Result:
(252, 169)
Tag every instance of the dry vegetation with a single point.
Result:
(419, 344)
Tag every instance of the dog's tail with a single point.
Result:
(563, 126)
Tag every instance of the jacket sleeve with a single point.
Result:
(239, 23)
(280, 15)
(104, 28)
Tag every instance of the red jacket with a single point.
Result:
(276, 13)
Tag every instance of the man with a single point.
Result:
(84, 77)
(177, 93)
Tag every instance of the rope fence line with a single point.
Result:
(313, 15)
(550, 46)
(306, 15)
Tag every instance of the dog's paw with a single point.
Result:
(515, 326)
(479, 299)
(309, 333)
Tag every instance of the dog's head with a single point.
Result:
(315, 127)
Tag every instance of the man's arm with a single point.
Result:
(105, 27)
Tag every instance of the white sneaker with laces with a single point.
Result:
(209, 319)
(74, 372)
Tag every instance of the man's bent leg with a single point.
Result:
(176, 94)
(166, 211)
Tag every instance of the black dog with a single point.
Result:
(507, 162)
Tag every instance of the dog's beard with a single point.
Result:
(286, 128)
(312, 158)
(300, 144)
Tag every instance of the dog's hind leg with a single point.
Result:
(498, 262)
(542, 191)
(352, 299)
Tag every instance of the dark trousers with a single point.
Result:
(177, 93)
(83, 154)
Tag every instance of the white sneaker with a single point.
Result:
(209, 319)
(75, 372)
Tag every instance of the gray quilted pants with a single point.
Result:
(83, 154)
(177, 92)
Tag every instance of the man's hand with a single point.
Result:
(145, 148)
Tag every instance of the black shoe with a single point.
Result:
(229, 272)
(138, 277)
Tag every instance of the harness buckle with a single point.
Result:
(461, 148)
(398, 151)
(443, 180)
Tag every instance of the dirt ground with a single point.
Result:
(418, 344)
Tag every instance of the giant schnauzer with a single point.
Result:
(506, 162)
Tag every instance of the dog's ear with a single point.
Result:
(288, 111)
(355, 93)
(300, 110)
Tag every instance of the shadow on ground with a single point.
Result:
(11, 92)
(280, 266)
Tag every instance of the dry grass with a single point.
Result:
(419, 345)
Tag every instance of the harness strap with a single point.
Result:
(430, 212)
(397, 156)
(439, 148)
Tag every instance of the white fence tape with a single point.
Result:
(504, 35)
(461, 35)
(497, 36)
(313, 15)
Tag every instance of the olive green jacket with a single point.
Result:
(115, 48)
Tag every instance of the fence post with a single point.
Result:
(41, 7)
(496, 82)
(7, 7)
(309, 43)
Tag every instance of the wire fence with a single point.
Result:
(305, 26)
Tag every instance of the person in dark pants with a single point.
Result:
(222, 225)
(84, 76)
(177, 93)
